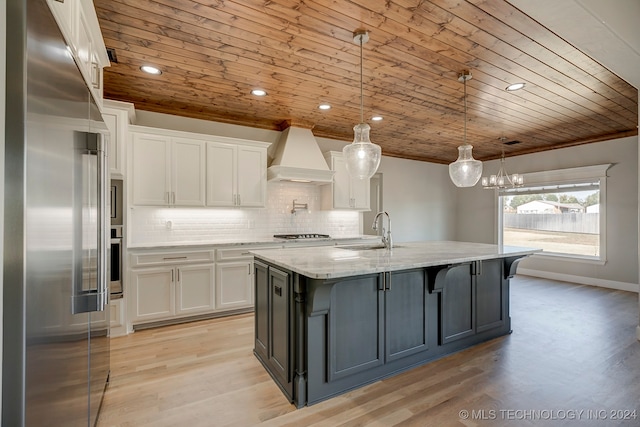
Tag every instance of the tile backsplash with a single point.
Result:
(149, 225)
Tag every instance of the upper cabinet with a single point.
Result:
(345, 192)
(79, 25)
(117, 116)
(171, 168)
(167, 171)
(236, 174)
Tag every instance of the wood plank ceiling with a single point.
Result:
(302, 52)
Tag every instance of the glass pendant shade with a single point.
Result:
(466, 171)
(362, 157)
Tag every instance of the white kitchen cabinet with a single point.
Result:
(79, 25)
(167, 171)
(235, 281)
(167, 285)
(345, 192)
(195, 291)
(234, 276)
(152, 293)
(117, 116)
(236, 175)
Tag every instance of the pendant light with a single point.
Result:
(466, 171)
(362, 157)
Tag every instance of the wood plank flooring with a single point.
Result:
(573, 349)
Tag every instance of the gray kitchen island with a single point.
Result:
(331, 319)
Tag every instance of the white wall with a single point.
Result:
(420, 198)
(478, 210)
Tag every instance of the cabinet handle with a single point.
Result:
(172, 278)
(389, 282)
(239, 202)
(179, 276)
(174, 257)
(277, 290)
(173, 197)
(245, 253)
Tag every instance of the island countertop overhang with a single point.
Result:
(336, 262)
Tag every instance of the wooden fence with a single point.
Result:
(587, 223)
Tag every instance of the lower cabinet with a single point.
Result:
(273, 323)
(473, 299)
(235, 283)
(376, 319)
(164, 292)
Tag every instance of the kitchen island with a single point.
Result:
(331, 319)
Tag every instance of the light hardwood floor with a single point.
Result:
(573, 348)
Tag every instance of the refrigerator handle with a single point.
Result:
(95, 299)
(102, 169)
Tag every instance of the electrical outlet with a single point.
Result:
(169, 224)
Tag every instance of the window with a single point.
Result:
(560, 211)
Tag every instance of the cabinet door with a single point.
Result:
(152, 293)
(233, 284)
(279, 348)
(405, 314)
(111, 121)
(252, 176)
(66, 15)
(221, 174)
(360, 194)
(187, 172)
(195, 292)
(151, 169)
(458, 302)
(261, 288)
(356, 328)
(490, 295)
(341, 184)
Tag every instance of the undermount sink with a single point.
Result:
(366, 247)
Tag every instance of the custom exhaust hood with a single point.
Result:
(298, 158)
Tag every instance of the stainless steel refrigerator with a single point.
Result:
(55, 324)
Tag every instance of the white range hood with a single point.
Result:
(298, 158)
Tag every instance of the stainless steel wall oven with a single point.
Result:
(115, 264)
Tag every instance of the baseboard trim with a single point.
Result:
(611, 284)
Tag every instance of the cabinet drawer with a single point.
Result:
(161, 258)
(240, 252)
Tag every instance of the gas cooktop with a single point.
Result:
(301, 236)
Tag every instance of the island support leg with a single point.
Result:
(300, 380)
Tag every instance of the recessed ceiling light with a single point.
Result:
(151, 70)
(324, 106)
(259, 92)
(515, 86)
(376, 118)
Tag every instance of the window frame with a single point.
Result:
(545, 181)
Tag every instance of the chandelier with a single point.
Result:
(502, 179)
(466, 171)
(362, 157)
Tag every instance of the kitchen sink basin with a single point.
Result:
(365, 247)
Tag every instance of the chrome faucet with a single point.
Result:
(387, 241)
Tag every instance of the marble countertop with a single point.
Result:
(193, 244)
(335, 261)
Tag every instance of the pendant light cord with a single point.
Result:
(464, 77)
(361, 92)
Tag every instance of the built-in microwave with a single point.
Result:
(116, 202)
